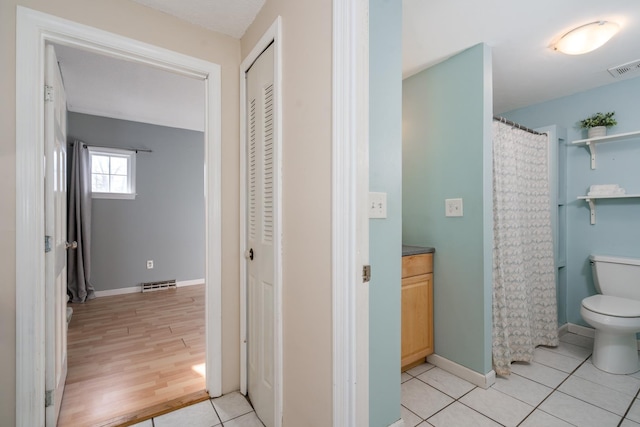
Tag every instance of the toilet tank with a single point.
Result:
(615, 276)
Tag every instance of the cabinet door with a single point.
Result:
(417, 318)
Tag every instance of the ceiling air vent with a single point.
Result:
(627, 69)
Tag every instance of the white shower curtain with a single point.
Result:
(524, 288)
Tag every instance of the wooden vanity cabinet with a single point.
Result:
(417, 309)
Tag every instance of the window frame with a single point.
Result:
(131, 172)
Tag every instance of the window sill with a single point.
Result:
(117, 196)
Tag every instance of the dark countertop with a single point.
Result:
(416, 250)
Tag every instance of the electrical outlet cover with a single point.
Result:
(377, 205)
(453, 207)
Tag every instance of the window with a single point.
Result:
(113, 173)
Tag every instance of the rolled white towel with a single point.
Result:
(606, 190)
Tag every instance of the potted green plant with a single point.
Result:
(598, 123)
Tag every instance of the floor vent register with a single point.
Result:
(159, 286)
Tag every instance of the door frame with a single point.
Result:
(33, 31)
(350, 220)
(272, 35)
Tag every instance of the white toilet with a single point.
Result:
(615, 314)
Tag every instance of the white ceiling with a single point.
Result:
(231, 17)
(104, 86)
(525, 70)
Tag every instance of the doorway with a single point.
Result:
(34, 30)
(132, 351)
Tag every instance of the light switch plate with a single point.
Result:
(377, 205)
(453, 207)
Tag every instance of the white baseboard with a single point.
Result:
(399, 423)
(138, 288)
(181, 283)
(563, 330)
(481, 380)
(581, 330)
(119, 291)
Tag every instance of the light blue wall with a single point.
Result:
(447, 112)
(617, 230)
(385, 235)
(165, 222)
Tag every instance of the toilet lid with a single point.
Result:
(612, 306)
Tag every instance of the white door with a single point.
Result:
(56, 232)
(260, 235)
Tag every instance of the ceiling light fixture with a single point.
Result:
(586, 37)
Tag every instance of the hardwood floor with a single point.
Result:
(131, 352)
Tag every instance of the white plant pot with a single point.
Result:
(597, 131)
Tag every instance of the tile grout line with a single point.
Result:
(629, 408)
(216, 411)
(484, 415)
(554, 390)
(230, 419)
(412, 378)
(571, 374)
(536, 407)
(454, 401)
(462, 403)
(429, 385)
(475, 410)
(607, 387)
(419, 417)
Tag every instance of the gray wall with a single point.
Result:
(165, 222)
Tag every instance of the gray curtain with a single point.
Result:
(79, 225)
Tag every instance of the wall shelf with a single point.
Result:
(591, 143)
(592, 202)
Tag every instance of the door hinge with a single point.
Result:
(48, 93)
(47, 244)
(366, 273)
(48, 398)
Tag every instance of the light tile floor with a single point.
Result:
(560, 388)
(230, 410)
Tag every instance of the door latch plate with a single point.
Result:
(366, 273)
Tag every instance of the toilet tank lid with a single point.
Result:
(615, 260)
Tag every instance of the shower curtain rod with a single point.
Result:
(141, 150)
(516, 125)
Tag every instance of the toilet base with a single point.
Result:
(615, 353)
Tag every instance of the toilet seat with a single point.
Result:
(612, 306)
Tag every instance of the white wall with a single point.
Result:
(307, 93)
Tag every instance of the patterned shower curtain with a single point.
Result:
(524, 288)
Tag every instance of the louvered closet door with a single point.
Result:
(260, 216)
